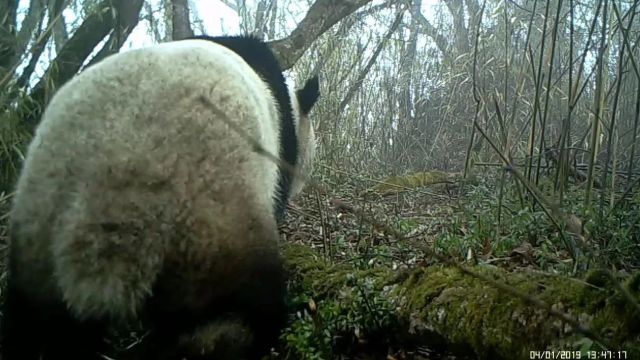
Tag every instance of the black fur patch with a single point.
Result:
(260, 57)
(308, 95)
(259, 303)
(45, 330)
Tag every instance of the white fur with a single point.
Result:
(306, 145)
(128, 172)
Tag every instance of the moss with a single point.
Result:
(312, 274)
(633, 284)
(440, 301)
(465, 310)
(401, 183)
(598, 277)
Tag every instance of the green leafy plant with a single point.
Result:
(356, 316)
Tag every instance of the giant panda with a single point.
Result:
(139, 201)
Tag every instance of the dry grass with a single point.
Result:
(4, 217)
(5, 200)
(348, 226)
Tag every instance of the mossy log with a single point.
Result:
(395, 184)
(439, 302)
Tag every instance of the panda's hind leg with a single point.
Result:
(33, 330)
(70, 338)
(263, 304)
(245, 324)
(21, 335)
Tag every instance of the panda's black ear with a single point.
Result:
(308, 95)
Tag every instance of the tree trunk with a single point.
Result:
(322, 15)
(127, 20)
(60, 35)
(456, 8)
(180, 22)
(406, 122)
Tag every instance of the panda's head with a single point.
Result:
(297, 141)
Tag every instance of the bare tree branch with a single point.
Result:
(322, 15)
(60, 34)
(272, 20)
(34, 16)
(356, 84)
(75, 51)
(230, 4)
(260, 23)
(154, 31)
(343, 31)
(127, 19)
(441, 41)
(333, 43)
(8, 12)
(55, 15)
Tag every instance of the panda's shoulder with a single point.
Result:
(254, 52)
(184, 53)
(250, 48)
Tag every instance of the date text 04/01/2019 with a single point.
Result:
(575, 354)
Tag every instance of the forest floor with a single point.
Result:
(355, 225)
(349, 225)
(353, 222)
(406, 230)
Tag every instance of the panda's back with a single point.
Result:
(129, 172)
(148, 97)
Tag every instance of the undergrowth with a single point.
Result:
(475, 225)
(491, 230)
(358, 319)
(14, 139)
